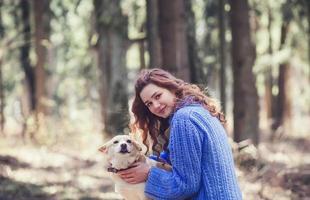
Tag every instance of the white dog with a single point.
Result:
(121, 152)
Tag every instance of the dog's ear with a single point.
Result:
(103, 149)
(137, 145)
(106, 146)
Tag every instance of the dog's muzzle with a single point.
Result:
(124, 148)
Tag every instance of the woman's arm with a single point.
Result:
(185, 151)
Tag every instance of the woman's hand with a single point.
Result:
(136, 174)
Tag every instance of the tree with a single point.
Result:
(2, 119)
(111, 26)
(284, 100)
(210, 45)
(307, 5)
(28, 69)
(172, 31)
(41, 38)
(153, 39)
(194, 61)
(222, 57)
(269, 97)
(245, 93)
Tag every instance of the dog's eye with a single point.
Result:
(115, 142)
(129, 141)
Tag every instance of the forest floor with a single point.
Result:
(72, 169)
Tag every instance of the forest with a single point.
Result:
(67, 72)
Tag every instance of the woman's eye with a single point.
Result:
(129, 141)
(157, 96)
(148, 105)
(115, 142)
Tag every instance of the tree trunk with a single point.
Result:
(111, 26)
(153, 39)
(141, 55)
(268, 76)
(308, 14)
(25, 56)
(222, 57)
(2, 99)
(210, 48)
(284, 102)
(41, 37)
(245, 92)
(284, 113)
(194, 61)
(141, 44)
(172, 30)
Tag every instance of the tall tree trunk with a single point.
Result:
(284, 102)
(41, 34)
(245, 92)
(153, 39)
(111, 26)
(172, 30)
(25, 55)
(141, 55)
(222, 30)
(308, 14)
(268, 75)
(2, 99)
(194, 61)
(141, 44)
(210, 48)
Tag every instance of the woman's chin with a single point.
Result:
(165, 115)
(162, 116)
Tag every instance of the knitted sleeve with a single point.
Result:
(185, 152)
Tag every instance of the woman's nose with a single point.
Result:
(156, 105)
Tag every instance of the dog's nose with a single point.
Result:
(123, 146)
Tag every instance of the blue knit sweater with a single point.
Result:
(201, 158)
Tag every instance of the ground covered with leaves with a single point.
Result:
(71, 169)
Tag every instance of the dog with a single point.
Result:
(120, 153)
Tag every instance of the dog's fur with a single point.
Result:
(121, 152)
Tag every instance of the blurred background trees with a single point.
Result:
(111, 47)
(67, 67)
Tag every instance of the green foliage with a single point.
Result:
(136, 12)
(73, 70)
(295, 50)
(72, 80)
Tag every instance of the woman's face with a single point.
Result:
(158, 100)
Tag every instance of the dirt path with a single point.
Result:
(30, 172)
(71, 170)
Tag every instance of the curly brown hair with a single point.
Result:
(154, 126)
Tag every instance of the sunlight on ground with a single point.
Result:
(70, 167)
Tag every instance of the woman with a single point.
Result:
(201, 158)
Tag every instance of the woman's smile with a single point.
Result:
(162, 110)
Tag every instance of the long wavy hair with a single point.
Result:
(154, 126)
